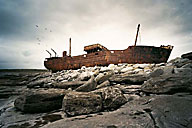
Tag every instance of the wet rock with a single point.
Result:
(37, 101)
(112, 97)
(128, 79)
(88, 86)
(78, 103)
(180, 81)
(187, 55)
(68, 84)
(104, 84)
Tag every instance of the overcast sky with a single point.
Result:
(29, 27)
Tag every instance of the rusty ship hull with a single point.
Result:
(98, 55)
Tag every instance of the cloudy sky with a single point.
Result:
(29, 27)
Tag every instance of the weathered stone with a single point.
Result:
(70, 84)
(38, 83)
(104, 84)
(157, 72)
(84, 76)
(129, 89)
(182, 70)
(37, 101)
(187, 55)
(105, 69)
(189, 65)
(103, 77)
(171, 111)
(112, 97)
(78, 103)
(88, 86)
(128, 79)
(180, 81)
(127, 69)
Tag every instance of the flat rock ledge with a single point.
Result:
(41, 100)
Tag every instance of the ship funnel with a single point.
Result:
(49, 53)
(69, 46)
(137, 34)
(54, 52)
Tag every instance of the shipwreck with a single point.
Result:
(98, 55)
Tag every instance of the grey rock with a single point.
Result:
(187, 55)
(181, 81)
(78, 103)
(129, 89)
(68, 84)
(182, 71)
(38, 101)
(88, 86)
(112, 97)
(84, 76)
(189, 65)
(157, 72)
(126, 69)
(130, 115)
(104, 84)
(103, 77)
(179, 62)
(39, 82)
(167, 70)
(128, 79)
(171, 111)
(105, 69)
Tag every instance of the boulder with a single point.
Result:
(68, 84)
(38, 101)
(105, 69)
(157, 72)
(129, 89)
(189, 65)
(78, 103)
(112, 97)
(84, 76)
(104, 84)
(39, 82)
(179, 81)
(187, 55)
(167, 70)
(127, 69)
(88, 86)
(128, 79)
(103, 77)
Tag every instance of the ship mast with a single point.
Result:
(137, 34)
(69, 46)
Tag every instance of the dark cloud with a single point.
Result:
(12, 17)
(95, 18)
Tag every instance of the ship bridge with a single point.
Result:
(94, 48)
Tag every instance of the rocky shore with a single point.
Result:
(115, 96)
